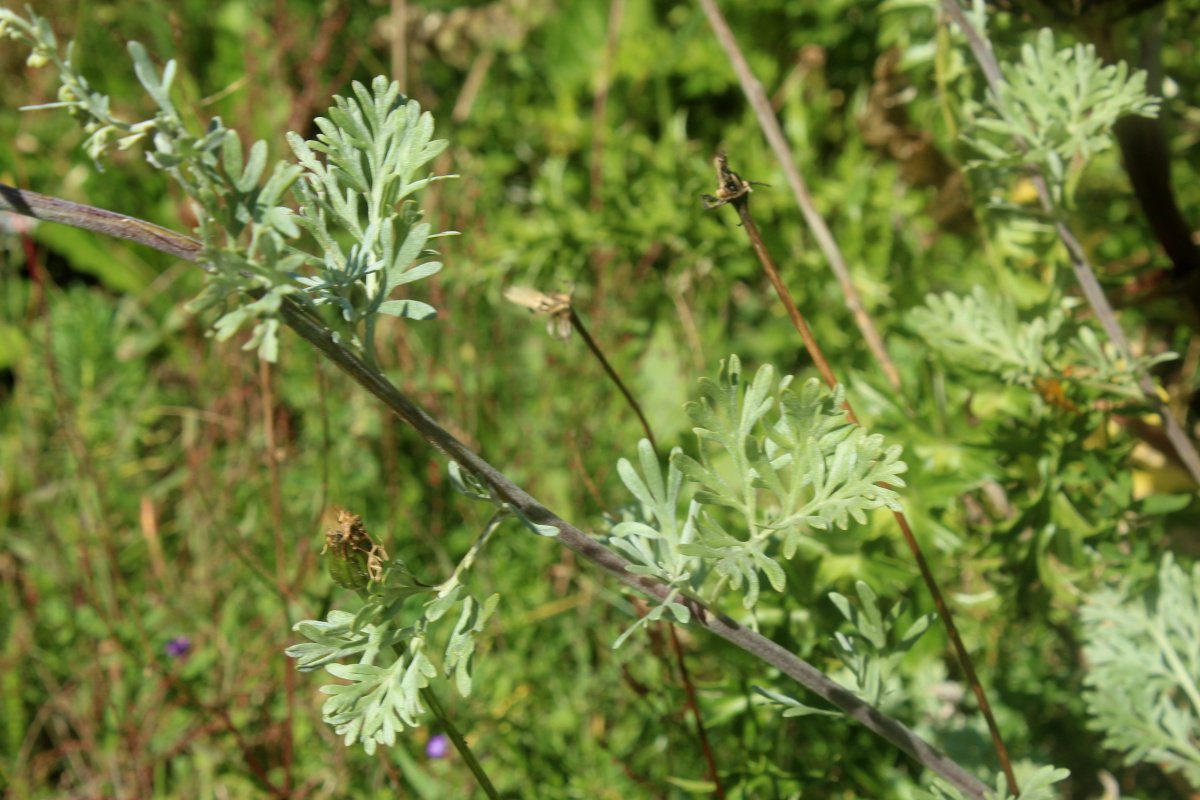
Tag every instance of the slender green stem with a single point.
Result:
(468, 560)
(460, 742)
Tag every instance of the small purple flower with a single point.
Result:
(437, 746)
(179, 647)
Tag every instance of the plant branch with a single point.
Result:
(1084, 274)
(757, 97)
(460, 742)
(309, 328)
(742, 205)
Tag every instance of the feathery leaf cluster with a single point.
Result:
(374, 147)
(1144, 677)
(1059, 106)
(773, 466)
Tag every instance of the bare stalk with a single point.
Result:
(577, 323)
(694, 706)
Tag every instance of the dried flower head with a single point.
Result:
(556, 305)
(355, 559)
(730, 185)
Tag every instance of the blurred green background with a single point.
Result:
(162, 497)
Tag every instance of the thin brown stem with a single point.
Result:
(694, 707)
(1084, 274)
(309, 328)
(281, 577)
(814, 350)
(761, 105)
(687, 681)
(577, 324)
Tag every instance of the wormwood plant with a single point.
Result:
(1062, 104)
(353, 184)
(774, 465)
(870, 653)
(982, 333)
(778, 469)
(1058, 107)
(389, 644)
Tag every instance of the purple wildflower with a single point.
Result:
(179, 647)
(437, 746)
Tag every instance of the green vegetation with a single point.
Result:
(192, 534)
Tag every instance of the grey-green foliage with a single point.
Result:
(1036, 782)
(791, 707)
(1062, 105)
(389, 640)
(774, 464)
(871, 652)
(90, 109)
(652, 543)
(374, 145)
(795, 464)
(982, 332)
(1143, 656)
(390, 662)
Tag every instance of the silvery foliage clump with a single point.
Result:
(871, 652)
(774, 465)
(384, 664)
(652, 541)
(982, 332)
(352, 188)
(357, 192)
(375, 147)
(1062, 105)
(1143, 681)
